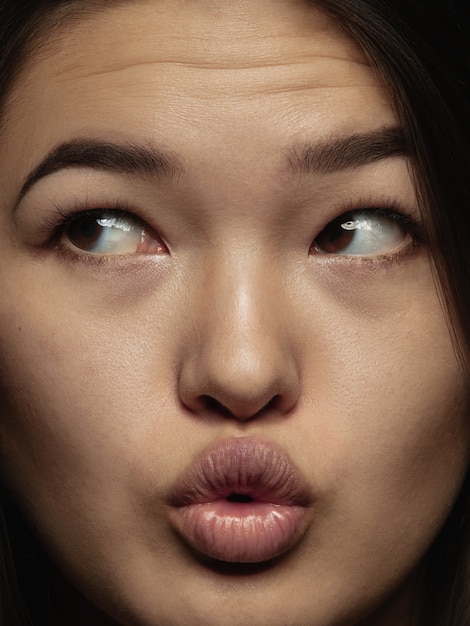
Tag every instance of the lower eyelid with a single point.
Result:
(405, 251)
(67, 254)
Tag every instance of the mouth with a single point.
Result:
(241, 501)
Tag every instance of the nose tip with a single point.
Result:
(239, 382)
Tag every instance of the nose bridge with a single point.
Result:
(245, 324)
(241, 360)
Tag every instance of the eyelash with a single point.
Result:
(55, 223)
(58, 219)
(386, 208)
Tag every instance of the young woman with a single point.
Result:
(234, 275)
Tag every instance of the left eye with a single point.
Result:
(361, 233)
(107, 232)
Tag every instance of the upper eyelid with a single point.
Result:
(408, 216)
(59, 216)
(77, 202)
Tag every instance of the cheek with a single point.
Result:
(389, 430)
(73, 387)
(82, 433)
(386, 368)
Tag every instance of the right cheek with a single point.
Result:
(80, 419)
(42, 419)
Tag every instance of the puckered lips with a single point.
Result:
(241, 501)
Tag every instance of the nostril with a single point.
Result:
(211, 404)
(239, 497)
(274, 402)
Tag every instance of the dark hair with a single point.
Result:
(421, 50)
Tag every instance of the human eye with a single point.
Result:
(106, 232)
(366, 232)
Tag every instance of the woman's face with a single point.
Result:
(221, 403)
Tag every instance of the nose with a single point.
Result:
(240, 361)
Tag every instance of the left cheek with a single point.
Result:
(390, 418)
(408, 444)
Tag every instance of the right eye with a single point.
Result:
(110, 233)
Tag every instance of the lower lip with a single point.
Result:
(234, 532)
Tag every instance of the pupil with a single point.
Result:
(333, 239)
(335, 232)
(85, 232)
(88, 228)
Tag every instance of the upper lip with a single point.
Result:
(244, 466)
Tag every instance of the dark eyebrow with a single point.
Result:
(125, 158)
(329, 156)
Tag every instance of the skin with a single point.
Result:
(107, 363)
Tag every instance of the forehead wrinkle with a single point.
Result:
(298, 72)
(210, 65)
(217, 49)
(223, 92)
(207, 57)
(266, 78)
(68, 45)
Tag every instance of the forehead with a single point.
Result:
(207, 34)
(152, 68)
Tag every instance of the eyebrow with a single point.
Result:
(326, 156)
(126, 158)
(333, 155)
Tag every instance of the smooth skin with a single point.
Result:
(119, 365)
